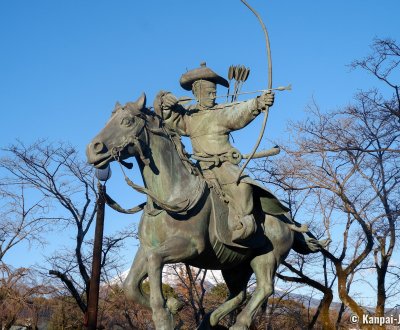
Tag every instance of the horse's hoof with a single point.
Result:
(239, 327)
(174, 305)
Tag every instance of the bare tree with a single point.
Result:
(346, 164)
(383, 64)
(379, 114)
(64, 183)
(21, 220)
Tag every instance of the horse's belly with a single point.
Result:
(220, 256)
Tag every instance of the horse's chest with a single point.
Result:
(152, 232)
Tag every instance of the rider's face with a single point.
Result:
(206, 93)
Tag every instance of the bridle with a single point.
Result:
(132, 141)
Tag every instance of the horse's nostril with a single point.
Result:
(98, 147)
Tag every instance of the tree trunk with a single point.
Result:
(381, 291)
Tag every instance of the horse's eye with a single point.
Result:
(126, 121)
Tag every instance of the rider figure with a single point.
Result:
(208, 125)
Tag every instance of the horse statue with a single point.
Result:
(185, 220)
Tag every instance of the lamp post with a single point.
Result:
(92, 307)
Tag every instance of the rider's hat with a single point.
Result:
(202, 73)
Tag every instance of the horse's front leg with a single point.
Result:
(176, 249)
(162, 318)
(133, 282)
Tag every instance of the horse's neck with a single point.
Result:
(166, 176)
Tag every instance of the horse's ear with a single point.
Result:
(141, 101)
(116, 107)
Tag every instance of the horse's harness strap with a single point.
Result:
(115, 206)
(181, 206)
(175, 206)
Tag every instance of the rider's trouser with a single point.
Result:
(239, 196)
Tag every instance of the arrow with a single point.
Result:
(281, 88)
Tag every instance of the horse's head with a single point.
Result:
(121, 137)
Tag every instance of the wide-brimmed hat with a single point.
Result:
(202, 73)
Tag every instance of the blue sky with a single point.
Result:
(64, 64)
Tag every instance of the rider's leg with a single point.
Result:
(242, 223)
(241, 196)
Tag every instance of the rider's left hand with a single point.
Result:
(269, 98)
(265, 100)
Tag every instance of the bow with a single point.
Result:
(266, 111)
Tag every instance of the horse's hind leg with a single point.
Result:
(236, 280)
(132, 284)
(264, 267)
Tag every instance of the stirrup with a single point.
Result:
(248, 228)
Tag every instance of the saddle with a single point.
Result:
(220, 231)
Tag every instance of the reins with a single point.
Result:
(115, 206)
(164, 205)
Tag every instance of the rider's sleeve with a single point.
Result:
(239, 114)
(175, 118)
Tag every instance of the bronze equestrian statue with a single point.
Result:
(189, 210)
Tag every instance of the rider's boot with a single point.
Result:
(244, 228)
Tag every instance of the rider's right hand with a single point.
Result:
(169, 101)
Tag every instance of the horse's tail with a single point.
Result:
(306, 243)
(302, 229)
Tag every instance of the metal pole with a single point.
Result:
(96, 263)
